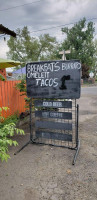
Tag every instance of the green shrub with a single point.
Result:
(2, 78)
(7, 130)
(11, 119)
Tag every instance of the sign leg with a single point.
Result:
(76, 154)
(22, 147)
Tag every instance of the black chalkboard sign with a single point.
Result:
(53, 114)
(54, 79)
(53, 104)
(53, 125)
(54, 136)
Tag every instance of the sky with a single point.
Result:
(50, 15)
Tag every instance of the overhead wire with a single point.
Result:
(52, 27)
(13, 7)
(39, 30)
(60, 25)
(44, 29)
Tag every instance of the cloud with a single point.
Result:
(46, 14)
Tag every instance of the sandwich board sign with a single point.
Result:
(49, 83)
(54, 79)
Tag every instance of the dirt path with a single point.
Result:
(46, 173)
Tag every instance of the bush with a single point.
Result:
(11, 119)
(7, 130)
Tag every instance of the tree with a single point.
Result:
(95, 66)
(26, 48)
(80, 41)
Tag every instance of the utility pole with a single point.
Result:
(64, 54)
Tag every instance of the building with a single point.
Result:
(19, 73)
(4, 30)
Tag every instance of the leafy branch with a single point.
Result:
(6, 132)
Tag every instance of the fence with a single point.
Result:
(11, 98)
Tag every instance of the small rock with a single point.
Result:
(21, 184)
(69, 171)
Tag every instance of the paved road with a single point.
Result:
(88, 103)
(89, 91)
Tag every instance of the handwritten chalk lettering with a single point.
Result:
(47, 104)
(52, 114)
(54, 104)
(37, 75)
(37, 81)
(56, 67)
(56, 115)
(69, 66)
(57, 104)
(60, 79)
(53, 66)
(47, 82)
(45, 114)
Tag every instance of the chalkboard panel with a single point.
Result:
(53, 114)
(53, 104)
(55, 136)
(54, 79)
(53, 125)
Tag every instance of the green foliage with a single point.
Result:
(7, 130)
(2, 78)
(26, 48)
(11, 119)
(22, 88)
(85, 71)
(1, 109)
(80, 41)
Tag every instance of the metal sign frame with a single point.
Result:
(72, 139)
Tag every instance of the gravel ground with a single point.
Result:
(45, 172)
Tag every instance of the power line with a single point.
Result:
(60, 25)
(18, 6)
(51, 28)
(57, 26)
